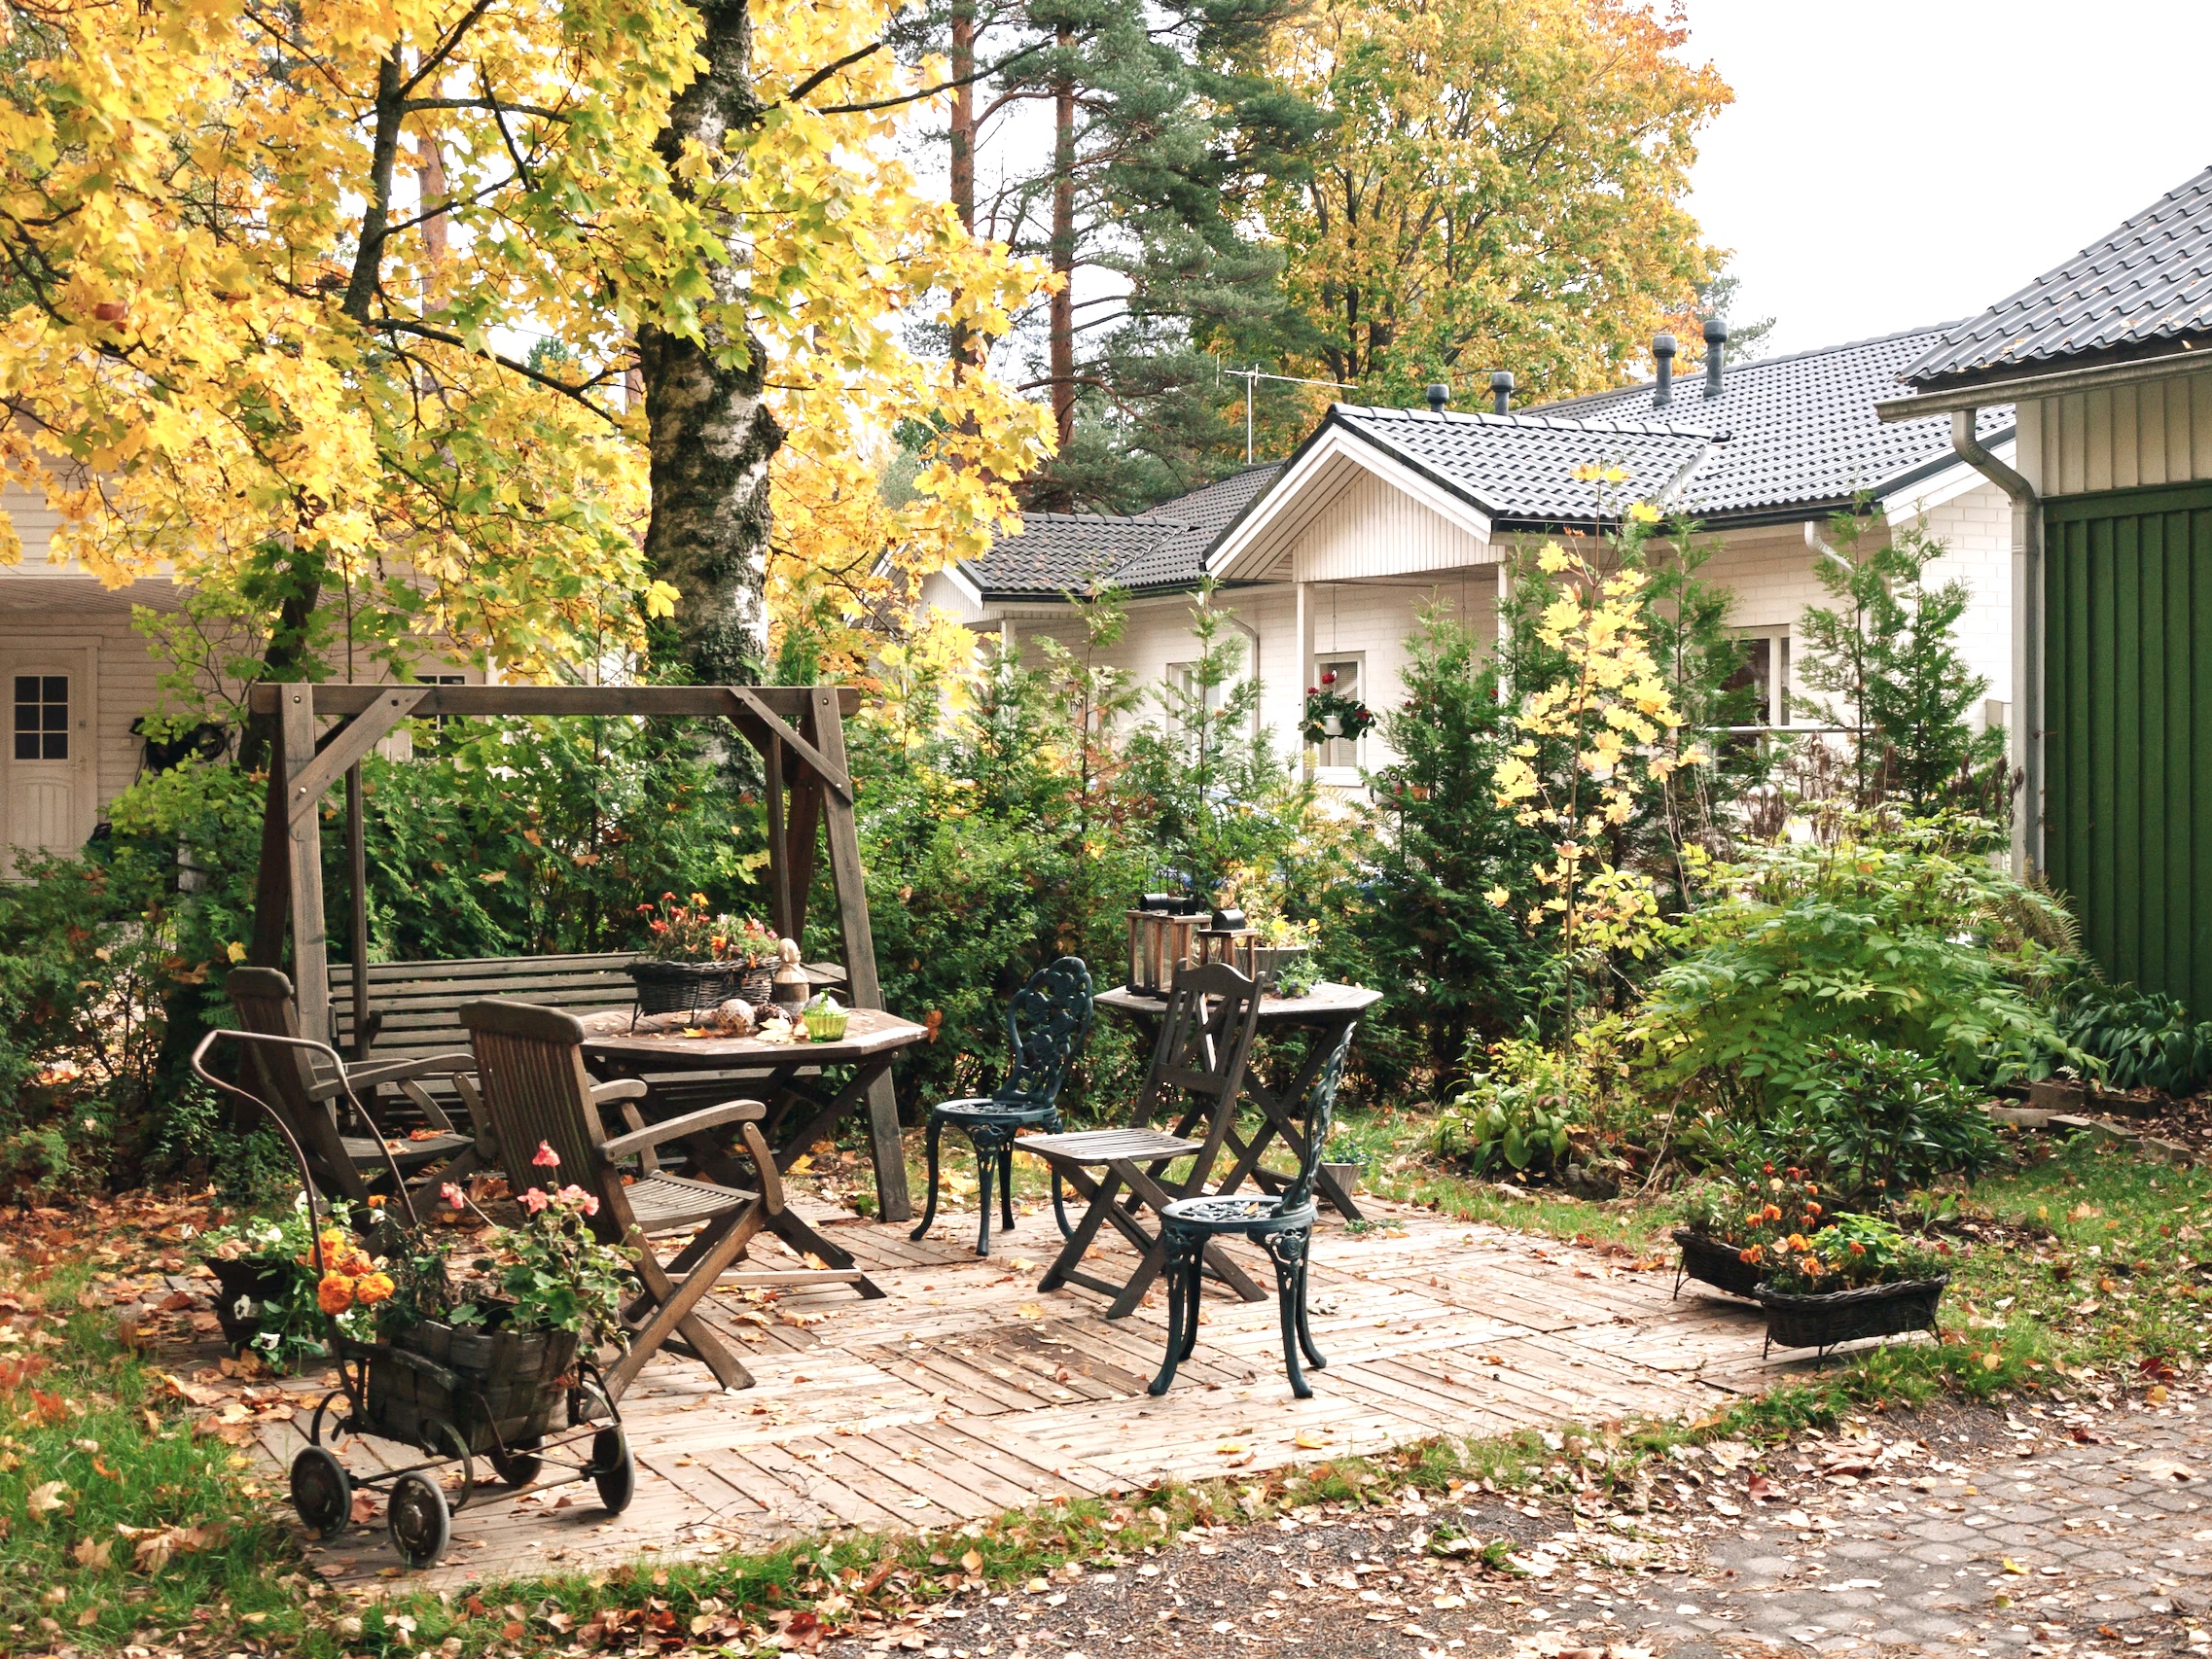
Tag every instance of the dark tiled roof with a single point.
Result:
(1061, 553)
(1519, 469)
(1802, 428)
(2146, 287)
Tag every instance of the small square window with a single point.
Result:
(42, 717)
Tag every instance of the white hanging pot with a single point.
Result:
(1333, 725)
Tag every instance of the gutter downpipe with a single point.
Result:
(2027, 637)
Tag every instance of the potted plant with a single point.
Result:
(264, 1276)
(485, 1338)
(1329, 713)
(1729, 1227)
(1857, 1277)
(693, 958)
(1283, 956)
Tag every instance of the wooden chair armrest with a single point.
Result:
(622, 1089)
(371, 1073)
(691, 1124)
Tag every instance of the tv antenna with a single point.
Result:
(1252, 378)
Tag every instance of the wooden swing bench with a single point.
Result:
(399, 1010)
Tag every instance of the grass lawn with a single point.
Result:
(124, 1512)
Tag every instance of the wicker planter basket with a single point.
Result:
(1835, 1316)
(1711, 1262)
(683, 987)
(476, 1380)
(247, 1286)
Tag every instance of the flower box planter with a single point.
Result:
(499, 1388)
(246, 1287)
(686, 987)
(1712, 1262)
(1831, 1318)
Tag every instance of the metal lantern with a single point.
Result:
(1160, 942)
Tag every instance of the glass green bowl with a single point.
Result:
(826, 1025)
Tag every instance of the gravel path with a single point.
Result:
(2030, 1530)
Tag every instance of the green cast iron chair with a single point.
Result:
(1280, 1224)
(1046, 1025)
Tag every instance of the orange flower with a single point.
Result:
(1749, 1254)
(1773, 1212)
(372, 1287)
(335, 1295)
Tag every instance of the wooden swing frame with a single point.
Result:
(797, 730)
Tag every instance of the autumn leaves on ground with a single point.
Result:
(132, 1514)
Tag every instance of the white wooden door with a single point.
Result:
(48, 796)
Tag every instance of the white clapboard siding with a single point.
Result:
(2158, 432)
(1370, 528)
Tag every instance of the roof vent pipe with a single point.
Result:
(1501, 391)
(1716, 345)
(1662, 354)
(1440, 395)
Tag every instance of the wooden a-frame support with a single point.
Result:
(798, 731)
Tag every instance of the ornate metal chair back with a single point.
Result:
(1320, 1117)
(287, 1071)
(1046, 1025)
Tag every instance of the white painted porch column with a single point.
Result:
(1304, 669)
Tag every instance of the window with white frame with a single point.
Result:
(1765, 669)
(1346, 677)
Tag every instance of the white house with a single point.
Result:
(1327, 558)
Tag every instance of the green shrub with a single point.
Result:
(1850, 1251)
(1897, 935)
(2142, 1040)
(1881, 1121)
(1520, 1112)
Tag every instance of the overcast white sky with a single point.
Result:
(1893, 162)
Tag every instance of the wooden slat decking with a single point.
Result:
(967, 1392)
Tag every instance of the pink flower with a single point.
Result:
(576, 1198)
(535, 1200)
(454, 1196)
(547, 1158)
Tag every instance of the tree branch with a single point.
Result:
(579, 393)
(827, 70)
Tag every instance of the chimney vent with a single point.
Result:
(1716, 350)
(1662, 354)
(1501, 391)
(1440, 395)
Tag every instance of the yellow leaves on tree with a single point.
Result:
(1502, 184)
(852, 256)
(328, 309)
(274, 275)
(1588, 741)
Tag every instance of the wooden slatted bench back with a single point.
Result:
(416, 1005)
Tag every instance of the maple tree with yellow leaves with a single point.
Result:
(274, 275)
(1589, 741)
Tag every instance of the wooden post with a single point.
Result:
(273, 886)
(827, 731)
(357, 883)
(780, 850)
(805, 819)
(310, 945)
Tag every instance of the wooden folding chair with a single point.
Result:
(305, 1091)
(536, 1093)
(1204, 1044)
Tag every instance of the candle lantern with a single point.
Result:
(1226, 939)
(1160, 942)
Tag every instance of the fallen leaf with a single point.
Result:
(91, 1553)
(1311, 1439)
(46, 1498)
(1230, 1448)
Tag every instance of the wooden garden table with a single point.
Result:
(786, 1075)
(1325, 1010)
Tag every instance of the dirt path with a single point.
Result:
(2032, 1530)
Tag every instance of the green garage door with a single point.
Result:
(2127, 750)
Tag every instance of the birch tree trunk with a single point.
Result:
(712, 434)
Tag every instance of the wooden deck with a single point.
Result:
(966, 1392)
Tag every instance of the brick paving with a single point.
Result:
(2031, 1531)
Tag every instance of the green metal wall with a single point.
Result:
(2127, 746)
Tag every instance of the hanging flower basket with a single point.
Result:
(1827, 1319)
(1329, 713)
(1720, 1265)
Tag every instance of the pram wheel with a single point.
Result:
(517, 1465)
(613, 1471)
(422, 1524)
(322, 1491)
